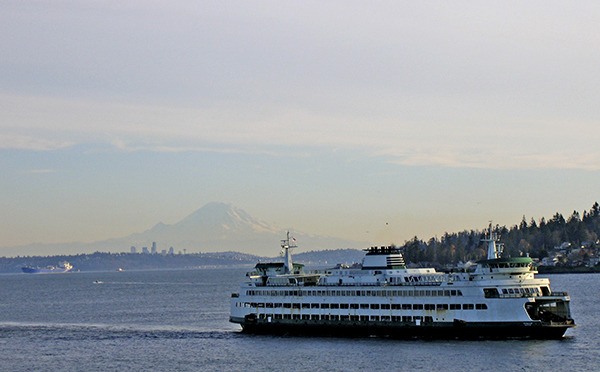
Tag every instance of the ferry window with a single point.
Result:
(269, 304)
(305, 306)
(407, 318)
(429, 307)
(454, 306)
(324, 306)
(314, 317)
(491, 292)
(287, 305)
(335, 317)
(344, 306)
(442, 307)
(504, 291)
(418, 307)
(396, 306)
(428, 319)
(314, 306)
(325, 317)
(385, 306)
(427, 293)
(385, 318)
(287, 316)
(364, 306)
(420, 293)
(481, 306)
(295, 306)
(363, 318)
(354, 306)
(468, 306)
(446, 293)
(375, 306)
(344, 317)
(277, 305)
(406, 307)
(334, 306)
(305, 317)
(374, 318)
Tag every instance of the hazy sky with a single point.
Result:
(373, 121)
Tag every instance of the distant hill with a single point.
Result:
(571, 241)
(216, 227)
(99, 261)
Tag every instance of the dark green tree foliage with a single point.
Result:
(535, 239)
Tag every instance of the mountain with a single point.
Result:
(216, 227)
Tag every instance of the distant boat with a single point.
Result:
(62, 267)
(120, 269)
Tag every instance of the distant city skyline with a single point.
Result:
(370, 122)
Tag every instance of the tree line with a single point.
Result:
(537, 239)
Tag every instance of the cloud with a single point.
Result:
(408, 138)
(15, 141)
(39, 171)
(491, 86)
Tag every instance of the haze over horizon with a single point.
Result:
(367, 121)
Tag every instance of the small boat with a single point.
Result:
(62, 267)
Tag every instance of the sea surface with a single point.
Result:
(177, 320)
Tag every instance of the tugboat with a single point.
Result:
(498, 298)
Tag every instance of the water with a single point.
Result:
(178, 320)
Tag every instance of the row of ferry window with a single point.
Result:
(355, 318)
(527, 291)
(356, 293)
(367, 306)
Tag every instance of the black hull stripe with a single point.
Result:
(451, 330)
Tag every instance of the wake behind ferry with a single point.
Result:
(498, 298)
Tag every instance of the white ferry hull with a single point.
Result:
(501, 298)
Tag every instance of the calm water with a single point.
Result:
(178, 320)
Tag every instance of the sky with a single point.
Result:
(374, 121)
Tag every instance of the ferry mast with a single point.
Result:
(494, 250)
(287, 254)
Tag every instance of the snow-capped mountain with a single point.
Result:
(224, 227)
(216, 227)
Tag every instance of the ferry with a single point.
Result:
(498, 298)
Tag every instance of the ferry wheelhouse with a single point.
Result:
(498, 298)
